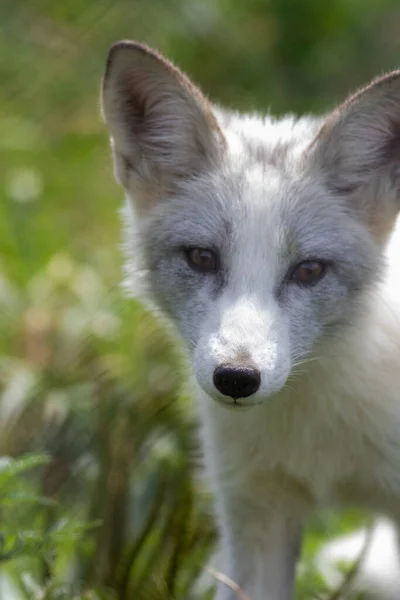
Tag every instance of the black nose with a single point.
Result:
(236, 382)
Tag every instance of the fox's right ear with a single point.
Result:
(162, 127)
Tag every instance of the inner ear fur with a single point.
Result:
(162, 127)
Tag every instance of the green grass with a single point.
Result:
(101, 496)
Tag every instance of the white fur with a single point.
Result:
(343, 425)
(324, 426)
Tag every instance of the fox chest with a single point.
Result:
(325, 451)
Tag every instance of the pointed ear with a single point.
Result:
(359, 147)
(363, 134)
(162, 127)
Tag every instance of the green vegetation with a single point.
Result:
(101, 496)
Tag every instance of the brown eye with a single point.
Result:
(308, 272)
(202, 260)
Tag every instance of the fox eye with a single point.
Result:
(202, 259)
(308, 272)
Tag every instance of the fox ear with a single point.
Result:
(359, 145)
(363, 134)
(162, 128)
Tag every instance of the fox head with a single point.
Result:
(258, 237)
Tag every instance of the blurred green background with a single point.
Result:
(101, 495)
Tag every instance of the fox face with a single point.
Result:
(259, 239)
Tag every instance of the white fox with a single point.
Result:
(271, 245)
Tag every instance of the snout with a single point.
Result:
(236, 383)
(242, 357)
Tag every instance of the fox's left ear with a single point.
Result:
(162, 127)
(359, 144)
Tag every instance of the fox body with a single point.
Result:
(271, 245)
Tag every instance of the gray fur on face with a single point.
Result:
(260, 230)
(274, 194)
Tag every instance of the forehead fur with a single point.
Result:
(262, 192)
(267, 141)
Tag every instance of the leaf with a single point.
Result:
(10, 468)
